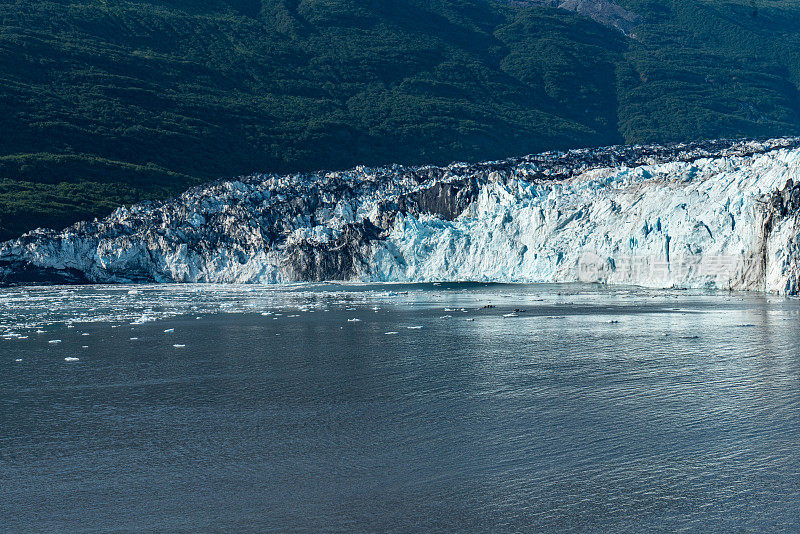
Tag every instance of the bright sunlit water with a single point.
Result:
(272, 409)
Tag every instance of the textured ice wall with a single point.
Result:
(719, 214)
(699, 224)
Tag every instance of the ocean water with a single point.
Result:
(398, 408)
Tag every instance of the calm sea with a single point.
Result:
(331, 408)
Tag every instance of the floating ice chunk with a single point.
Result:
(354, 320)
(178, 346)
(71, 359)
(143, 319)
(169, 330)
(54, 341)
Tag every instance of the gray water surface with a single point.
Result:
(594, 409)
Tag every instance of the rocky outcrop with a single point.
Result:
(603, 11)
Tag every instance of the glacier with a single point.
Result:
(719, 214)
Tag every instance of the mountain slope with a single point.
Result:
(109, 102)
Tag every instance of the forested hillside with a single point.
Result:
(107, 102)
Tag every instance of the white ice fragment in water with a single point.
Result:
(354, 320)
(54, 341)
(178, 346)
(143, 319)
(169, 330)
(71, 359)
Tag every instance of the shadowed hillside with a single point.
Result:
(105, 103)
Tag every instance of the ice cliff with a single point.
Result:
(717, 214)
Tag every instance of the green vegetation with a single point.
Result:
(108, 102)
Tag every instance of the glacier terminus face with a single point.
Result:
(718, 215)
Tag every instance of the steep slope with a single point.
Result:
(109, 102)
(150, 97)
(720, 215)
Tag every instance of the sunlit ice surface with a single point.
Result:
(455, 407)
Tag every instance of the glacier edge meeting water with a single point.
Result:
(716, 215)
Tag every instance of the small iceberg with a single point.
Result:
(143, 319)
